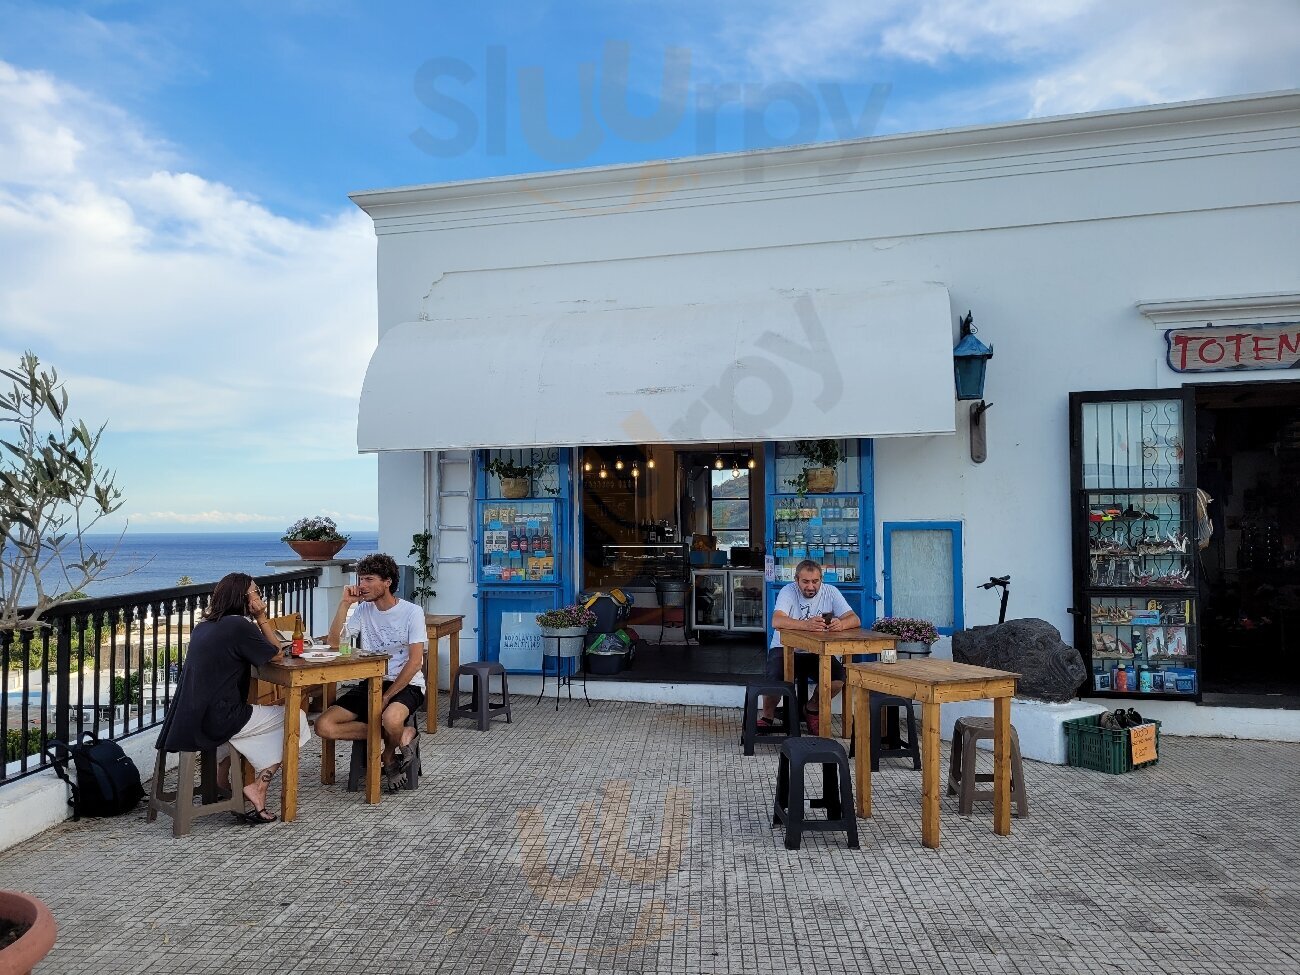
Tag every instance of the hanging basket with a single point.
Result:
(514, 488)
(318, 551)
(821, 480)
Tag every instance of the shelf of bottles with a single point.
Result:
(826, 528)
(1138, 573)
(519, 541)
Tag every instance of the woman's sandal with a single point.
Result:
(765, 723)
(255, 817)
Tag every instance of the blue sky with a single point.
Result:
(174, 176)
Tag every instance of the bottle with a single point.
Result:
(298, 639)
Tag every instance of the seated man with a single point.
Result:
(806, 604)
(387, 625)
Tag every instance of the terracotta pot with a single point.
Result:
(318, 551)
(821, 480)
(514, 488)
(26, 953)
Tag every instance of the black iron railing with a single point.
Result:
(109, 665)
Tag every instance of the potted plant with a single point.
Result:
(568, 623)
(819, 460)
(27, 931)
(515, 478)
(315, 539)
(914, 636)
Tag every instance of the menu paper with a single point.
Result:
(1142, 742)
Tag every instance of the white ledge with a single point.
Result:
(1257, 309)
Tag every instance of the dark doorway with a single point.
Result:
(1248, 461)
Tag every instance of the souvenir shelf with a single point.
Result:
(1135, 532)
(827, 528)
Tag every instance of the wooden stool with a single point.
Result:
(179, 805)
(837, 790)
(787, 727)
(480, 705)
(965, 733)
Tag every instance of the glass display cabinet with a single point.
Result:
(728, 599)
(519, 541)
(1136, 578)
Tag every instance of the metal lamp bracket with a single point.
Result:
(978, 432)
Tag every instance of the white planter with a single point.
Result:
(567, 643)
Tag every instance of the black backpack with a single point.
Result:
(108, 783)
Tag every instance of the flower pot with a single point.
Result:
(35, 943)
(318, 551)
(821, 480)
(568, 643)
(514, 488)
(917, 649)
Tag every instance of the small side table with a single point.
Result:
(553, 648)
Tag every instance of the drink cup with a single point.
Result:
(889, 655)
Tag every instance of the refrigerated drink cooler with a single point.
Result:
(728, 600)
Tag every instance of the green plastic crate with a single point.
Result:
(1089, 745)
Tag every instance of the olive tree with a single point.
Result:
(53, 489)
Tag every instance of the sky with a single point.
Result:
(175, 232)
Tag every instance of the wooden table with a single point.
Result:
(438, 627)
(840, 643)
(935, 682)
(295, 674)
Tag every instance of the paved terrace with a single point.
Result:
(635, 838)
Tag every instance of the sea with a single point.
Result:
(142, 561)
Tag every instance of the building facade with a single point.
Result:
(706, 322)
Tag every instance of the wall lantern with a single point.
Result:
(970, 361)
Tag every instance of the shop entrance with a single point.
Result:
(1248, 461)
(679, 529)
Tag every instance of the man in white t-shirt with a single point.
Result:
(386, 625)
(812, 605)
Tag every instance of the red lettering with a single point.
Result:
(1236, 341)
(1288, 342)
(1261, 344)
(1200, 352)
(1180, 349)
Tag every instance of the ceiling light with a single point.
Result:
(586, 466)
(650, 464)
(603, 473)
(751, 463)
(618, 463)
(717, 463)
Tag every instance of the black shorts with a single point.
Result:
(357, 698)
(806, 665)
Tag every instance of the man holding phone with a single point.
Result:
(811, 605)
(386, 625)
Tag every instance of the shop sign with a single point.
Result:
(1142, 740)
(1216, 348)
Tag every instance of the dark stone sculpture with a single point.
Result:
(1050, 669)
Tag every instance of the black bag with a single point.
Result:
(108, 783)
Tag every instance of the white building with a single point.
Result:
(726, 306)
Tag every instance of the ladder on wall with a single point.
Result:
(435, 494)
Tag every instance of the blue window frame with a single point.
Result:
(923, 577)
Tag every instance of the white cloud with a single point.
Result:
(203, 518)
(171, 302)
(1022, 57)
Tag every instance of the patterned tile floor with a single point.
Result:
(635, 838)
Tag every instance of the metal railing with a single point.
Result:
(109, 665)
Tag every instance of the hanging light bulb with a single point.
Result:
(717, 463)
(650, 463)
(586, 466)
(636, 471)
(603, 473)
(751, 463)
(735, 466)
(618, 463)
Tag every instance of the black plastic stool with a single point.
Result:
(837, 789)
(880, 748)
(480, 705)
(785, 728)
(361, 755)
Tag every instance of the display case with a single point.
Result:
(728, 599)
(1135, 546)
(520, 542)
(826, 528)
(639, 566)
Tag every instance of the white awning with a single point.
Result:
(802, 365)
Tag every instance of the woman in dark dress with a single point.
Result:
(211, 709)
